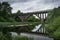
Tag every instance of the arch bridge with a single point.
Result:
(39, 14)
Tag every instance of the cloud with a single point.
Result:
(33, 5)
(14, 1)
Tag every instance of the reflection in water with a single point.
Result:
(35, 37)
(36, 28)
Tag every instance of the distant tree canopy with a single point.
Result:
(53, 26)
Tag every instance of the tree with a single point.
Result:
(5, 12)
(53, 26)
(18, 19)
(18, 11)
(16, 16)
(6, 9)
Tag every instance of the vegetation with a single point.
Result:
(5, 12)
(53, 26)
(33, 19)
(5, 36)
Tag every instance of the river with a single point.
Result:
(34, 36)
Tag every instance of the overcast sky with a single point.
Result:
(32, 5)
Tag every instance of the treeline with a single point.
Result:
(53, 26)
(6, 14)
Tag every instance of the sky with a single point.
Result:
(32, 5)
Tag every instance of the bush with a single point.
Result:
(2, 19)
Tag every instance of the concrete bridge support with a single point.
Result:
(43, 22)
(42, 17)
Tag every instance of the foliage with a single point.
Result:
(53, 26)
(2, 19)
(52, 14)
(18, 12)
(5, 12)
(33, 19)
(5, 9)
(18, 19)
(6, 36)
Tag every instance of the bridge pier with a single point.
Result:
(42, 17)
(43, 22)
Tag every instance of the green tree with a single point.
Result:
(17, 16)
(17, 19)
(5, 12)
(6, 9)
(53, 26)
(18, 12)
